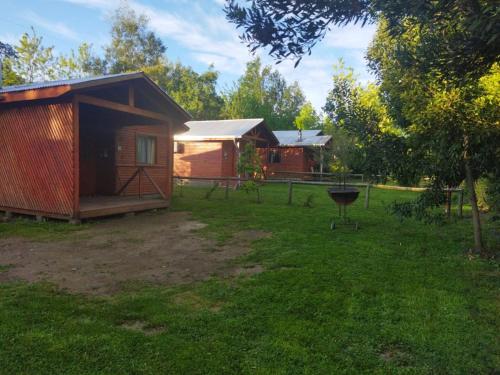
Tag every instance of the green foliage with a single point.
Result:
(249, 163)
(459, 38)
(195, 92)
(365, 138)
(10, 77)
(34, 61)
(307, 118)
(132, 46)
(264, 93)
(493, 195)
(80, 64)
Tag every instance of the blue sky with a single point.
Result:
(194, 31)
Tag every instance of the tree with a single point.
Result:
(34, 61)
(380, 147)
(80, 64)
(307, 118)
(462, 41)
(455, 122)
(132, 46)
(8, 76)
(263, 92)
(195, 92)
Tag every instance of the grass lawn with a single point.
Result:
(400, 298)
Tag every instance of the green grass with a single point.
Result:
(43, 231)
(392, 298)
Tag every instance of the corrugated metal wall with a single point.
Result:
(36, 158)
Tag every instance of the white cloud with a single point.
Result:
(210, 39)
(351, 36)
(58, 28)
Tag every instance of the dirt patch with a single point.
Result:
(194, 301)
(142, 327)
(159, 248)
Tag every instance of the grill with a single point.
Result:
(343, 196)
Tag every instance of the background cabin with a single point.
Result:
(298, 153)
(212, 148)
(87, 147)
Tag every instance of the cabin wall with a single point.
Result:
(126, 164)
(229, 159)
(293, 159)
(36, 158)
(200, 159)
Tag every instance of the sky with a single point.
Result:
(195, 32)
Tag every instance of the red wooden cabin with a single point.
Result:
(298, 154)
(212, 148)
(89, 147)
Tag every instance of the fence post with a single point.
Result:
(290, 190)
(460, 203)
(367, 196)
(181, 185)
(448, 203)
(226, 193)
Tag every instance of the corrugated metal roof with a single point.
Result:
(310, 138)
(218, 129)
(75, 81)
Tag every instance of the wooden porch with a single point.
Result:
(91, 207)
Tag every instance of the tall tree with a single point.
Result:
(81, 63)
(454, 122)
(307, 118)
(34, 61)
(263, 92)
(8, 76)
(133, 46)
(380, 146)
(195, 92)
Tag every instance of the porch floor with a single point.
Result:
(112, 205)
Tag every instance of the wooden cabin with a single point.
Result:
(212, 148)
(299, 153)
(82, 148)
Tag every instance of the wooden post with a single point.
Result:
(8, 216)
(75, 214)
(290, 191)
(140, 183)
(321, 163)
(226, 192)
(448, 203)
(460, 203)
(367, 196)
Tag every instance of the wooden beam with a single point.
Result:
(121, 107)
(35, 94)
(253, 138)
(131, 96)
(127, 183)
(76, 159)
(155, 184)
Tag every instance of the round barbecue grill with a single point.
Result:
(343, 196)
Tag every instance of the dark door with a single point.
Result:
(105, 162)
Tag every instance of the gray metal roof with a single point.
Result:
(218, 129)
(310, 138)
(63, 82)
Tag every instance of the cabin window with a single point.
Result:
(274, 157)
(178, 148)
(146, 149)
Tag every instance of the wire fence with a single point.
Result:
(228, 183)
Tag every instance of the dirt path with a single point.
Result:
(160, 248)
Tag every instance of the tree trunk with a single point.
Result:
(476, 219)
